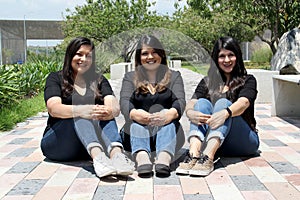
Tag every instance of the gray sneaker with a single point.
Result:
(203, 167)
(103, 165)
(187, 164)
(123, 165)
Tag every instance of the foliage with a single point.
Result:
(9, 85)
(113, 25)
(101, 19)
(19, 111)
(19, 81)
(34, 72)
(262, 55)
(258, 65)
(279, 16)
(206, 26)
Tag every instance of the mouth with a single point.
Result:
(151, 62)
(227, 64)
(82, 65)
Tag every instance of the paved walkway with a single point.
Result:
(275, 174)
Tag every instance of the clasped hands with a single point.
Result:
(102, 112)
(214, 121)
(151, 119)
(96, 112)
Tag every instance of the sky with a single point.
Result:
(56, 10)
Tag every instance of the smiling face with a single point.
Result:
(82, 60)
(226, 61)
(150, 59)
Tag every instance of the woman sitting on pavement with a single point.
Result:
(152, 101)
(82, 107)
(221, 111)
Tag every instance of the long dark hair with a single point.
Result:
(216, 76)
(68, 74)
(163, 74)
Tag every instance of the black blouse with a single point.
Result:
(248, 90)
(172, 97)
(53, 88)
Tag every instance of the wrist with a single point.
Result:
(229, 112)
(76, 111)
(187, 110)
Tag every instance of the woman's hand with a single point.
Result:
(158, 118)
(197, 117)
(163, 117)
(140, 116)
(83, 111)
(102, 112)
(217, 119)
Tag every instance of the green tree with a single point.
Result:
(112, 24)
(205, 26)
(101, 19)
(279, 16)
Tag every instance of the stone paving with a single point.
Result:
(275, 174)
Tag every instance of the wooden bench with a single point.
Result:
(286, 96)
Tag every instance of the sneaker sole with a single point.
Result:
(107, 173)
(124, 172)
(182, 171)
(199, 173)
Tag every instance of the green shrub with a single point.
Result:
(262, 55)
(34, 74)
(19, 81)
(9, 84)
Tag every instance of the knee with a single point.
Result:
(137, 129)
(223, 102)
(201, 102)
(136, 126)
(203, 105)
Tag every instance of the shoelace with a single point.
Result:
(188, 158)
(203, 159)
(124, 157)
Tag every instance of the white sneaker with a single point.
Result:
(103, 165)
(122, 164)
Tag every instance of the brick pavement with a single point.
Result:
(275, 174)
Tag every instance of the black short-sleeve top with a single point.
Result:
(53, 88)
(172, 97)
(248, 90)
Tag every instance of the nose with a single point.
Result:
(150, 55)
(83, 58)
(227, 59)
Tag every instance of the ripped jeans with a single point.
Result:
(236, 136)
(71, 139)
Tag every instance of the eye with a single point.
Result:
(231, 55)
(144, 53)
(222, 56)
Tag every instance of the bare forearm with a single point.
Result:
(239, 107)
(70, 111)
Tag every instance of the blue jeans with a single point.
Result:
(164, 138)
(236, 136)
(70, 139)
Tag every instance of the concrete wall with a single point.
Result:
(264, 84)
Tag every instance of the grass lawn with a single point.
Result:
(20, 111)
